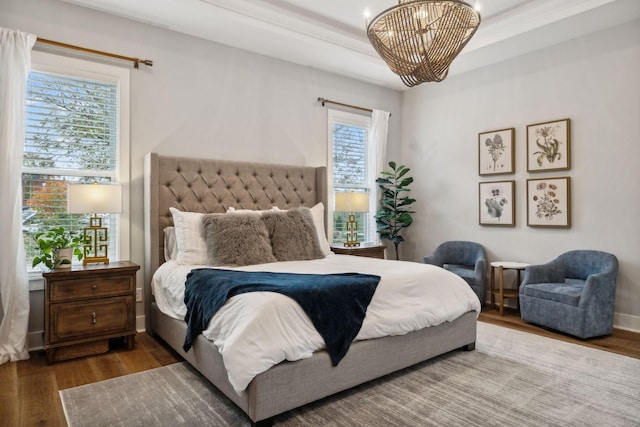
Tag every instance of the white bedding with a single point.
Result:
(255, 331)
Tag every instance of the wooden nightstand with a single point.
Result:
(85, 306)
(368, 250)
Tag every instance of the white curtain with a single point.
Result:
(15, 62)
(379, 128)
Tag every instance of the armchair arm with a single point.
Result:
(433, 260)
(551, 272)
(480, 271)
(600, 287)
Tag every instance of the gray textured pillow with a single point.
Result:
(236, 240)
(293, 235)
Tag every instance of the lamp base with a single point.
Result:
(352, 232)
(95, 260)
(96, 237)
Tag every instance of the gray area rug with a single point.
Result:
(511, 379)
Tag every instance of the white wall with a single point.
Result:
(202, 98)
(592, 80)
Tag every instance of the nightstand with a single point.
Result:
(367, 250)
(85, 306)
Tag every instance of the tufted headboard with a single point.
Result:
(210, 186)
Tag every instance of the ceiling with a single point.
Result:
(330, 34)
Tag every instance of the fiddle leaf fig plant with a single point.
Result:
(51, 242)
(394, 213)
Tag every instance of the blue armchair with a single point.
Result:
(466, 259)
(574, 293)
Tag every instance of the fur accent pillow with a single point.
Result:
(317, 213)
(236, 240)
(293, 235)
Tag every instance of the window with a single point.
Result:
(350, 162)
(76, 132)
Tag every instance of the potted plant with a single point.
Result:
(57, 247)
(394, 213)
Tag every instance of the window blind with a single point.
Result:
(71, 136)
(350, 142)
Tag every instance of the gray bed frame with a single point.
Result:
(202, 185)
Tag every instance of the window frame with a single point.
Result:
(80, 68)
(339, 116)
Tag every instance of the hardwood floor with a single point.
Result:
(620, 341)
(29, 389)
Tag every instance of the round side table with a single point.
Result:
(501, 292)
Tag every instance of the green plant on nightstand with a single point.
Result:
(52, 242)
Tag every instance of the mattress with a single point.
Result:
(256, 331)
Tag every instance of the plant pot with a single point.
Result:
(63, 257)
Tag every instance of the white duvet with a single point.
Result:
(257, 330)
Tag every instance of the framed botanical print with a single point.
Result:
(497, 203)
(549, 202)
(549, 146)
(496, 152)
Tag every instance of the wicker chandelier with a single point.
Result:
(419, 39)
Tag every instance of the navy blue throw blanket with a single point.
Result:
(335, 303)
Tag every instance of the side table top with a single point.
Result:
(509, 264)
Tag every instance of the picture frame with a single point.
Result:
(549, 146)
(496, 152)
(497, 203)
(549, 202)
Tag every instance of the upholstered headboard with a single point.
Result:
(209, 186)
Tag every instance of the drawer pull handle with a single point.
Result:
(94, 287)
(93, 318)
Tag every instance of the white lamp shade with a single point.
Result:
(94, 198)
(352, 202)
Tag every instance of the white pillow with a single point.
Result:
(170, 246)
(192, 249)
(233, 210)
(317, 212)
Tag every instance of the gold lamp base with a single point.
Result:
(96, 248)
(352, 232)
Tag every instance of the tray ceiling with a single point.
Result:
(330, 34)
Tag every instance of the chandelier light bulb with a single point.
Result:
(367, 16)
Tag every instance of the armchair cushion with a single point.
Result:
(560, 292)
(466, 259)
(467, 272)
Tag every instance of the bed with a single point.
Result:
(214, 186)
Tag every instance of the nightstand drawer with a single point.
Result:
(94, 287)
(90, 319)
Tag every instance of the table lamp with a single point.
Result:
(95, 199)
(352, 202)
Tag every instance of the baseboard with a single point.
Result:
(140, 326)
(626, 322)
(35, 340)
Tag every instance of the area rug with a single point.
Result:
(511, 379)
